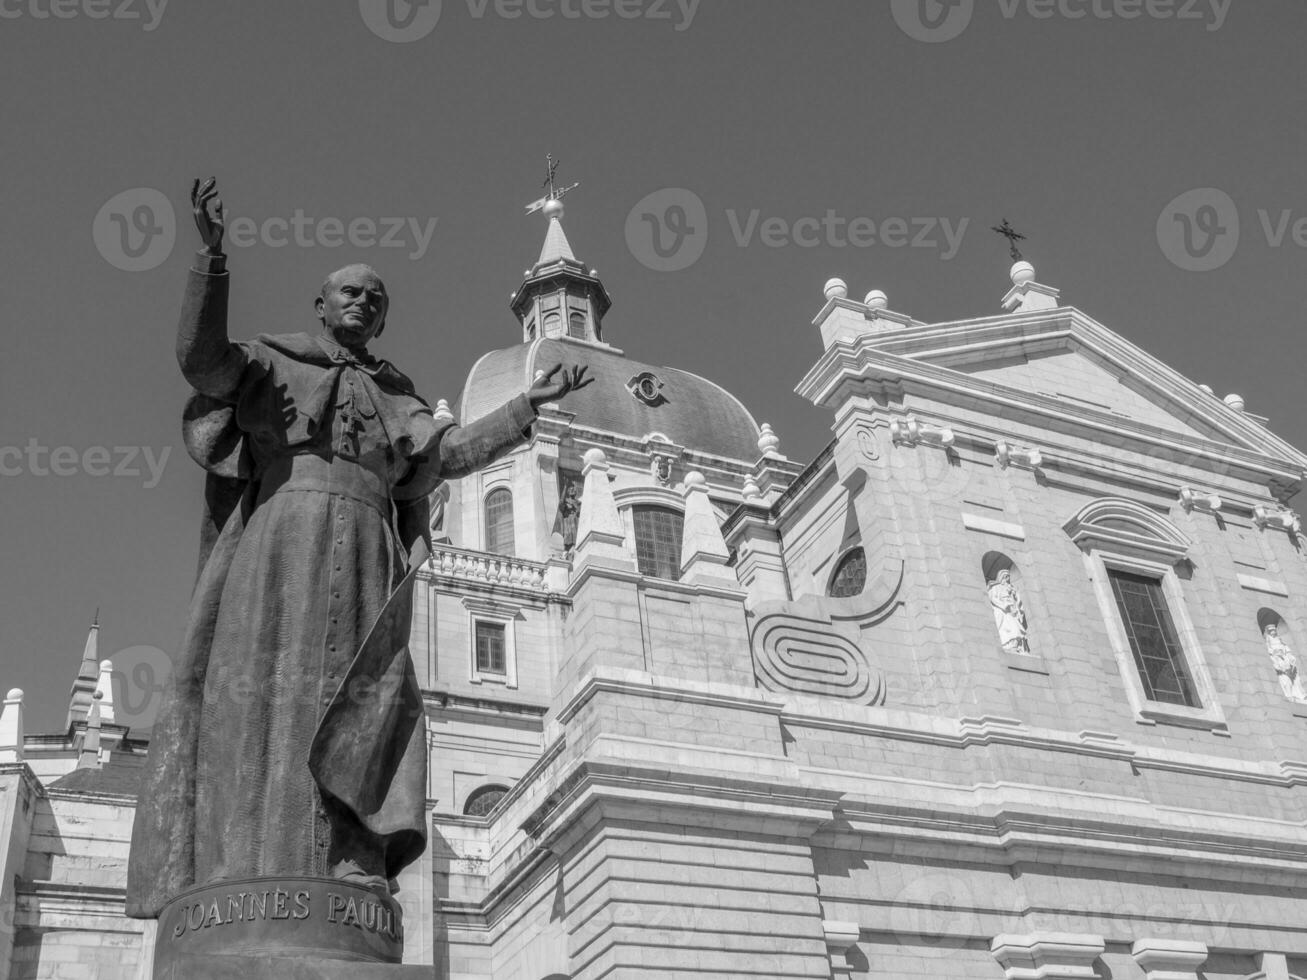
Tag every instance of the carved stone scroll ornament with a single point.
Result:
(797, 649)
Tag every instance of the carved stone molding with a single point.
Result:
(1169, 959)
(802, 655)
(913, 432)
(1048, 955)
(1207, 503)
(1280, 518)
(840, 937)
(1027, 457)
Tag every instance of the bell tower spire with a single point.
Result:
(558, 298)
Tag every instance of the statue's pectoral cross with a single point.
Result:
(1013, 236)
(352, 412)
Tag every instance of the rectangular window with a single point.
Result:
(658, 533)
(491, 656)
(1154, 642)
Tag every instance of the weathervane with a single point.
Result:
(555, 193)
(1012, 236)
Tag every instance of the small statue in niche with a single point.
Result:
(569, 512)
(1009, 615)
(1286, 664)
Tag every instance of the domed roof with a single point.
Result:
(689, 410)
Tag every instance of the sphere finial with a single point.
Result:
(1022, 273)
(876, 300)
(1235, 401)
(553, 208)
(835, 288)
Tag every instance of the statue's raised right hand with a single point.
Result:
(210, 218)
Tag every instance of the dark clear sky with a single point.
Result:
(1079, 129)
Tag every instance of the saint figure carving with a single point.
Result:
(1009, 615)
(1286, 664)
(292, 739)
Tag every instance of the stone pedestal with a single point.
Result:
(287, 927)
(275, 968)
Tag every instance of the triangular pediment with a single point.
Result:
(1068, 357)
(1076, 375)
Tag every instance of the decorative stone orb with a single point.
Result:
(1206, 388)
(876, 300)
(1234, 401)
(594, 457)
(695, 479)
(15, 694)
(835, 289)
(553, 208)
(1022, 272)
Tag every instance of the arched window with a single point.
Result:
(483, 800)
(658, 541)
(550, 324)
(499, 521)
(576, 324)
(850, 575)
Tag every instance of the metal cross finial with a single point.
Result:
(555, 193)
(1013, 236)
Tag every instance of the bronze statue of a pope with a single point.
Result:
(292, 739)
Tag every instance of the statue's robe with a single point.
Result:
(286, 745)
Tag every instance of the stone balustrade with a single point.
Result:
(480, 566)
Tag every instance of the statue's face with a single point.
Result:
(1005, 576)
(353, 306)
(1272, 631)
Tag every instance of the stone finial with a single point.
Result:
(751, 492)
(835, 289)
(703, 550)
(1206, 388)
(768, 441)
(599, 530)
(1234, 401)
(1169, 959)
(105, 692)
(1027, 295)
(876, 300)
(88, 756)
(11, 727)
(442, 412)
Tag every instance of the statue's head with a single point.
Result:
(1272, 630)
(352, 306)
(1004, 577)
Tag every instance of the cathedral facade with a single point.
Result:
(1003, 683)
